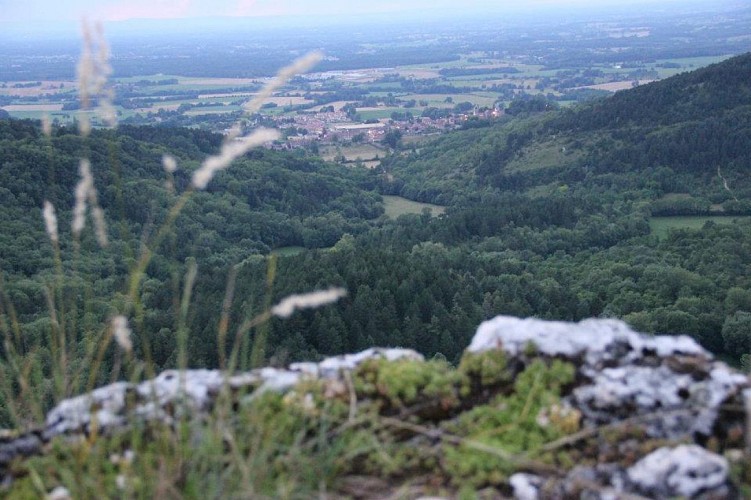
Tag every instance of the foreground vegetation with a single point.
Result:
(325, 438)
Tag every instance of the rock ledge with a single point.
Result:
(667, 387)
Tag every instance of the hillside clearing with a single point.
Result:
(661, 226)
(396, 206)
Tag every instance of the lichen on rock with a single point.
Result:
(671, 381)
(685, 470)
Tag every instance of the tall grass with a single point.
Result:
(80, 353)
(77, 353)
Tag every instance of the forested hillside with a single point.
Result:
(548, 214)
(267, 202)
(668, 137)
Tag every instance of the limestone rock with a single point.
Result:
(685, 471)
(526, 486)
(330, 367)
(104, 406)
(174, 392)
(670, 381)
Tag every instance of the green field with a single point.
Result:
(439, 100)
(661, 226)
(396, 206)
(288, 251)
(549, 154)
(30, 115)
(352, 152)
(687, 64)
(379, 114)
(528, 76)
(208, 110)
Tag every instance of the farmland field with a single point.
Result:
(396, 206)
(352, 152)
(379, 114)
(33, 107)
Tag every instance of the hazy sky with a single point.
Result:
(30, 11)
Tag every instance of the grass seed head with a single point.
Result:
(289, 305)
(121, 332)
(50, 221)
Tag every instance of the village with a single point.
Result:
(328, 126)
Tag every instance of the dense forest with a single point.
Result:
(548, 215)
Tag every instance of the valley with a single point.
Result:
(186, 274)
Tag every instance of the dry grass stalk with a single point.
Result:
(93, 73)
(236, 146)
(121, 332)
(86, 193)
(230, 151)
(169, 163)
(289, 305)
(100, 226)
(81, 193)
(50, 222)
(46, 125)
(301, 65)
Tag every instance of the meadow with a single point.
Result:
(662, 226)
(396, 206)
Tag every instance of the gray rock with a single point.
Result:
(600, 482)
(526, 486)
(104, 406)
(626, 374)
(175, 393)
(686, 470)
(596, 340)
(23, 445)
(331, 367)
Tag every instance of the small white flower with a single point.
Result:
(121, 481)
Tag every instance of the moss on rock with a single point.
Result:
(518, 423)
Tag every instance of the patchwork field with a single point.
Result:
(484, 79)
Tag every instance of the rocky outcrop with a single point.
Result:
(169, 396)
(667, 386)
(670, 383)
(651, 416)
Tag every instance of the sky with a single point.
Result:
(61, 19)
(32, 11)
